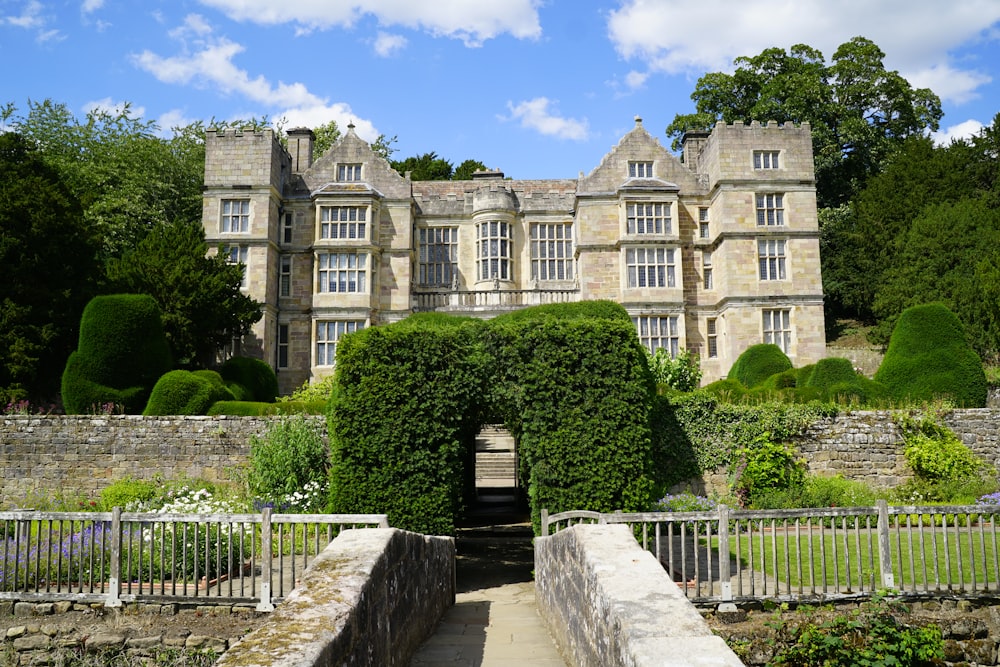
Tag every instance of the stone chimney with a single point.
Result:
(692, 144)
(300, 147)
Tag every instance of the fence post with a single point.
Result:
(265, 603)
(115, 577)
(725, 578)
(545, 522)
(884, 554)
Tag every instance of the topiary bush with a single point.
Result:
(255, 409)
(929, 358)
(253, 375)
(121, 353)
(759, 362)
(186, 393)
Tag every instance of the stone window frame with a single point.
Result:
(342, 272)
(770, 208)
(648, 218)
(238, 255)
(281, 353)
(494, 250)
(234, 221)
(776, 327)
(657, 331)
(328, 333)
(551, 251)
(707, 277)
(640, 169)
(767, 159)
(643, 263)
(437, 256)
(704, 231)
(343, 223)
(772, 255)
(349, 172)
(712, 337)
(286, 228)
(285, 275)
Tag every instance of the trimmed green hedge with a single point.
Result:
(929, 358)
(256, 378)
(121, 354)
(255, 409)
(570, 381)
(186, 393)
(758, 363)
(403, 419)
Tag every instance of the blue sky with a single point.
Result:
(536, 88)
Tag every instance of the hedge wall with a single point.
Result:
(570, 381)
(403, 418)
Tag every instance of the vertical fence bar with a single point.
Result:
(114, 580)
(265, 603)
(725, 581)
(884, 555)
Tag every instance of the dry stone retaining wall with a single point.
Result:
(79, 455)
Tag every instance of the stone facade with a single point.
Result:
(712, 254)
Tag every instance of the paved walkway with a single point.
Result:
(494, 622)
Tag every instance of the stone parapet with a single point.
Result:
(370, 598)
(608, 602)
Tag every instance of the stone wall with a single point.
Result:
(370, 598)
(868, 446)
(68, 456)
(609, 603)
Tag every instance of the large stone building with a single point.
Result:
(712, 254)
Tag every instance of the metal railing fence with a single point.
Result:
(727, 555)
(115, 557)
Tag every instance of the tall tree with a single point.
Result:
(199, 296)
(426, 167)
(128, 179)
(465, 170)
(48, 271)
(858, 110)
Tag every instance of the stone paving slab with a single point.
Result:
(494, 622)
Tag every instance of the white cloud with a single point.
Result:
(110, 106)
(966, 130)
(29, 18)
(206, 61)
(387, 44)
(636, 79)
(472, 21)
(916, 35)
(171, 119)
(535, 114)
(90, 6)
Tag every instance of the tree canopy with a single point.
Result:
(48, 271)
(858, 110)
(202, 306)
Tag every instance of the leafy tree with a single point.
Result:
(48, 270)
(326, 135)
(426, 167)
(858, 110)
(950, 254)
(200, 298)
(464, 171)
(128, 179)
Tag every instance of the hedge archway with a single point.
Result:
(570, 381)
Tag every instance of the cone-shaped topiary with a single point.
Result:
(759, 362)
(929, 358)
(121, 353)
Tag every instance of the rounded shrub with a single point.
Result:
(759, 362)
(729, 389)
(929, 358)
(830, 371)
(255, 376)
(184, 393)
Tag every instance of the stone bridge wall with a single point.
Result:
(609, 603)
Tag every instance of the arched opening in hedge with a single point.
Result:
(570, 382)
